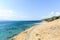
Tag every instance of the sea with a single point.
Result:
(9, 29)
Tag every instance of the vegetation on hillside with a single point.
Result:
(52, 18)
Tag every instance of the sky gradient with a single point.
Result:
(28, 9)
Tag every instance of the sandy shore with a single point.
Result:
(44, 31)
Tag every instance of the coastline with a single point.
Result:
(43, 31)
(23, 35)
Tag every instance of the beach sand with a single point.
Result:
(44, 31)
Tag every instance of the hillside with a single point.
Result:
(45, 31)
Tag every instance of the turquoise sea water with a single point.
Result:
(8, 29)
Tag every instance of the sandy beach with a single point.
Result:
(44, 31)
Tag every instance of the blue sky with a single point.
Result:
(28, 9)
